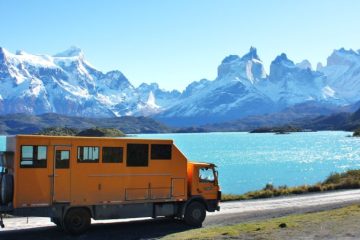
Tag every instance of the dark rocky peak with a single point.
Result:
(252, 54)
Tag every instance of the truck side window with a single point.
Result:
(62, 159)
(206, 175)
(112, 154)
(161, 151)
(33, 156)
(137, 155)
(88, 154)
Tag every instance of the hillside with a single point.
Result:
(26, 124)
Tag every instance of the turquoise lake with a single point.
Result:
(248, 161)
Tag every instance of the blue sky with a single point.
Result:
(177, 42)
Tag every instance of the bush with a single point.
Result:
(356, 133)
(315, 188)
(335, 181)
(333, 178)
(269, 186)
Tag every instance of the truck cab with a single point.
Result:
(203, 184)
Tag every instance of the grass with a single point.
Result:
(264, 229)
(336, 181)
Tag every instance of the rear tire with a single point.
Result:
(7, 189)
(195, 214)
(77, 221)
(1, 175)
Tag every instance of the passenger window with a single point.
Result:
(33, 157)
(161, 151)
(137, 155)
(88, 154)
(112, 154)
(62, 159)
(206, 175)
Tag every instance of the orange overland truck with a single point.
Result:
(74, 179)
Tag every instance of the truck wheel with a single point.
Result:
(7, 188)
(1, 175)
(77, 221)
(195, 214)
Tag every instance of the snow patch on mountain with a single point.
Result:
(66, 83)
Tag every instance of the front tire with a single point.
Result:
(77, 221)
(195, 214)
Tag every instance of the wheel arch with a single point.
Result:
(199, 199)
(87, 208)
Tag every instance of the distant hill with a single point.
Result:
(90, 132)
(28, 124)
(313, 119)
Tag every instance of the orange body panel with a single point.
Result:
(207, 189)
(97, 183)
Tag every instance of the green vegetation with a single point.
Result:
(277, 130)
(91, 132)
(58, 131)
(101, 132)
(336, 181)
(299, 226)
(29, 124)
(356, 133)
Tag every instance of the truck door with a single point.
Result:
(207, 183)
(61, 173)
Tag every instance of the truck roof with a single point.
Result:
(92, 138)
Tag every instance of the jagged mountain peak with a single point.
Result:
(343, 57)
(344, 51)
(304, 64)
(319, 67)
(282, 60)
(252, 54)
(73, 51)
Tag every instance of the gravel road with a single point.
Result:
(231, 213)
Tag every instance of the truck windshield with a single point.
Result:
(206, 175)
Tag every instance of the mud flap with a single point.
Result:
(1, 221)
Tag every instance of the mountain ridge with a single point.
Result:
(66, 83)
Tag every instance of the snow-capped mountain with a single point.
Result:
(243, 88)
(66, 83)
(343, 73)
(231, 95)
(162, 97)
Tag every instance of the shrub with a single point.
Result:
(269, 186)
(333, 178)
(356, 133)
(315, 188)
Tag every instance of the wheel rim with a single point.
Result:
(196, 213)
(76, 222)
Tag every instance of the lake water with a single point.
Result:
(248, 161)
